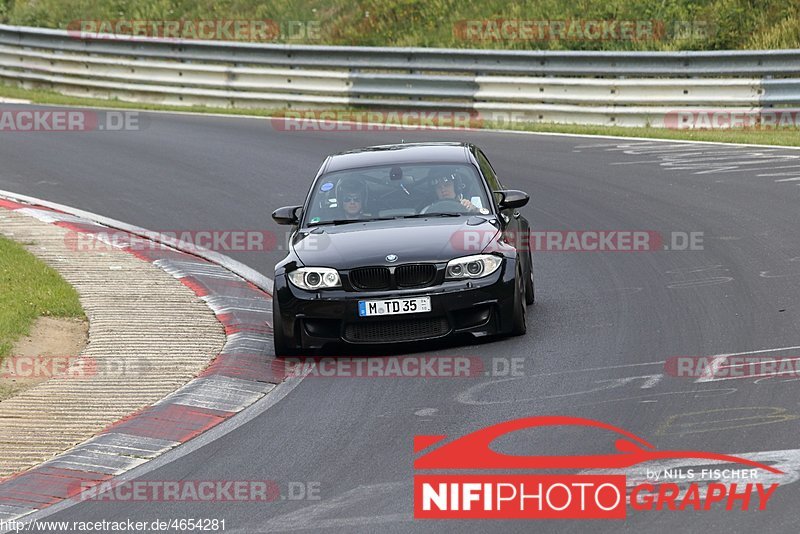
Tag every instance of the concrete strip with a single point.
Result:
(148, 335)
(107, 461)
(7, 511)
(242, 373)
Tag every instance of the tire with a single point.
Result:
(519, 325)
(282, 346)
(530, 294)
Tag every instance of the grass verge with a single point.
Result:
(29, 289)
(754, 136)
(669, 24)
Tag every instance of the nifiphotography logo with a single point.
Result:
(468, 494)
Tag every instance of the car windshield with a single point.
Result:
(396, 191)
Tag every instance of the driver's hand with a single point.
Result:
(469, 205)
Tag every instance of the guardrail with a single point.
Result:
(606, 88)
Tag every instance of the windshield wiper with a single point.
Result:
(421, 215)
(350, 221)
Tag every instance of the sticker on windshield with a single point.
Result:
(484, 211)
(327, 186)
(314, 220)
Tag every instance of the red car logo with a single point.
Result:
(473, 450)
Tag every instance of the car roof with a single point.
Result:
(444, 152)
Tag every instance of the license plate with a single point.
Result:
(367, 308)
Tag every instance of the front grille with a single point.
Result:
(415, 275)
(370, 278)
(396, 330)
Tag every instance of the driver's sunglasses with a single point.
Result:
(352, 198)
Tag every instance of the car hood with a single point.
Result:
(411, 240)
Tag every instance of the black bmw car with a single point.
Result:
(401, 243)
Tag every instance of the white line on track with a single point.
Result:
(719, 359)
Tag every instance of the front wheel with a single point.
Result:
(530, 293)
(520, 325)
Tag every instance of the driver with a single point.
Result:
(350, 195)
(445, 187)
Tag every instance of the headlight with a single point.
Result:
(476, 266)
(312, 278)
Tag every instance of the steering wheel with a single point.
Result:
(445, 206)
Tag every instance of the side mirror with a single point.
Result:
(286, 215)
(512, 199)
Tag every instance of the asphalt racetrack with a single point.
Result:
(603, 325)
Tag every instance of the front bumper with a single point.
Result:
(313, 319)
